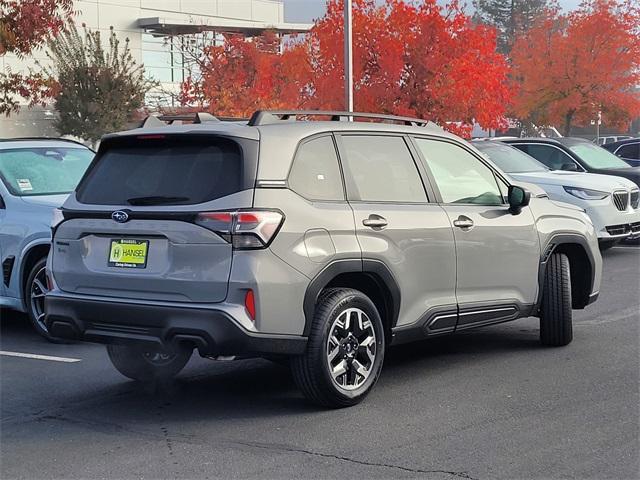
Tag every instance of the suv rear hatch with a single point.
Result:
(133, 229)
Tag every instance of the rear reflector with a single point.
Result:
(250, 304)
(243, 229)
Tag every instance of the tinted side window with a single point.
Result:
(381, 169)
(315, 173)
(552, 157)
(460, 177)
(631, 150)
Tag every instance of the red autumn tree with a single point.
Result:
(25, 26)
(242, 76)
(417, 60)
(568, 67)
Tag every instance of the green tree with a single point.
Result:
(100, 88)
(510, 17)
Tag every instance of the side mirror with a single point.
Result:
(518, 198)
(569, 167)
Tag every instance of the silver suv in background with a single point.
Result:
(323, 242)
(36, 175)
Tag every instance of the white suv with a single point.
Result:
(611, 202)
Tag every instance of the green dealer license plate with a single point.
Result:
(128, 253)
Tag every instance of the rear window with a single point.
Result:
(180, 170)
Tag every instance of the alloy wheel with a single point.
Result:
(351, 349)
(37, 293)
(158, 358)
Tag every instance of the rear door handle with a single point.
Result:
(375, 221)
(463, 222)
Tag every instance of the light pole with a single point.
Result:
(348, 56)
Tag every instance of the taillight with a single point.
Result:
(245, 230)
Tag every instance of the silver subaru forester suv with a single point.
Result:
(306, 236)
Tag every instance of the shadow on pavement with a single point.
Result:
(15, 324)
(223, 391)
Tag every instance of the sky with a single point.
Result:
(308, 10)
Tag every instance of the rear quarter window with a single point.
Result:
(316, 173)
(176, 170)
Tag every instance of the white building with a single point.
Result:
(154, 28)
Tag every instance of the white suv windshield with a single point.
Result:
(597, 157)
(43, 171)
(509, 159)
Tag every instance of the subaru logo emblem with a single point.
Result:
(120, 216)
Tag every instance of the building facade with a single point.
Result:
(157, 31)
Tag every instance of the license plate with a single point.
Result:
(128, 253)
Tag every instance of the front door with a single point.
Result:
(498, 253)
(398, 225)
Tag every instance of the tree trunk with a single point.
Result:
(568, 118)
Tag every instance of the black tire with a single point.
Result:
(556, 327)
(34, 290)
(148, 365)
(311, 371)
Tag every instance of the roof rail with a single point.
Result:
(266, 117)
(162, 120)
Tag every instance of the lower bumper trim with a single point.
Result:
(212, 332)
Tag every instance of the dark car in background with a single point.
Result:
(628, 150)
(577, 155)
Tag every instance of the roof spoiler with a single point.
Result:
(163, 120)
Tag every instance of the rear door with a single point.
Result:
(398, 225)
(497, 253)
(132, 228)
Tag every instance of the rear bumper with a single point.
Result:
(212, 331)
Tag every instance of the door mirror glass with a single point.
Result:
(518, 198)
(570, 167)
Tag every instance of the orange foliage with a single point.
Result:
(417, 60)
(570, 66)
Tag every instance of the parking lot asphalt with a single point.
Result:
(486, 404)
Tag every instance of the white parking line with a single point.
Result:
(40, 357)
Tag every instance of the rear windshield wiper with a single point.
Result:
(155, 200)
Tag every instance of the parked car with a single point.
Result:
(609, 139)
(576, 155)
(323, 242)
(628, 150)
(36, 175)
(611, 202)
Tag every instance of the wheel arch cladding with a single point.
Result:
(581, 266)
(371, 277)
(33, 255)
